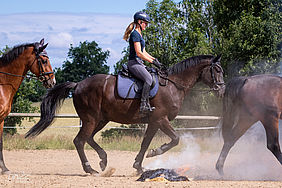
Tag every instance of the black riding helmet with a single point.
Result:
(141, 16)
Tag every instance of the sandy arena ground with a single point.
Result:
(61, 168)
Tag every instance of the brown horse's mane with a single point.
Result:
(187, 63)
(14, 53)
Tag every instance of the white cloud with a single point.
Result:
(61, 40)
(62, 29)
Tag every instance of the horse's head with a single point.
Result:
(212, 75)
(41, 65)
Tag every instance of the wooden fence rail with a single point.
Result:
(76, 116)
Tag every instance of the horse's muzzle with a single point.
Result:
(49, 83)
(219, 89)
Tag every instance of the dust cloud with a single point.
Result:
(249, 159)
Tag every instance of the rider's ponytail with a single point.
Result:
(128, 31)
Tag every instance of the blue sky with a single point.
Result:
(74, 6)
(65, 22)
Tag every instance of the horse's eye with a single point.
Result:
(45, 61)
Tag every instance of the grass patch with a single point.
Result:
(45, 142)
(125, 143)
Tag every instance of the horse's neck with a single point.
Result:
(188, 78)
(14, 72)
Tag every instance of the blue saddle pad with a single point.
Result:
(131, 88)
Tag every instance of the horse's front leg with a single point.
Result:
(2, 164)
(149, 134)
(168, 130)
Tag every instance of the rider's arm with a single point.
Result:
(144, 51)
(143, 55)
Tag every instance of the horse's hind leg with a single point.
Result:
(2, 164)
(231, 135)
(101, 152)
(79, 142)
(271, 125)
(169, 131)
(149, 134)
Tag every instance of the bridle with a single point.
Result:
(40, 63)
(216, 84)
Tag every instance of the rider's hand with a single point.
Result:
(157, 63)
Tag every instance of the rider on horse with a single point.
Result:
(137, 54)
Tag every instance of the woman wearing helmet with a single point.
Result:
(137, 54)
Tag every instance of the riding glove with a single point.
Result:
(157, 63)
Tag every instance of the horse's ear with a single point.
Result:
(42, 41)
(45, 46)
(217, 59)
(42, 47)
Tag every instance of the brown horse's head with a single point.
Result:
(41, 66)
(212, 75)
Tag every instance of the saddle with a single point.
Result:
(130, 87)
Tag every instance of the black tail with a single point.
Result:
(53, 100)
(231, 103)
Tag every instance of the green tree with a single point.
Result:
(84, 61)
(249, 35)
(123, 60)
(197, 32)
(164, 31)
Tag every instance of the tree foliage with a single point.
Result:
(249, 35)
(84, 61)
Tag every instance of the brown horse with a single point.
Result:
(246, 101)
(14, 66)
(97, 102)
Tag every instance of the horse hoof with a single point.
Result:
(151, 153)
(88, 169)
(6, 172)
(138, 172)
(93, 172)
(138, 167)
(108, 173)
(220, 171)
(103, 165)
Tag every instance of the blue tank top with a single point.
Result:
(135, 37)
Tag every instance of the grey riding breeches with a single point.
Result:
(139, 70)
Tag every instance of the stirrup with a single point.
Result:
(144, 108)
(151, 108)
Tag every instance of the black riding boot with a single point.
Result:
(145, 104)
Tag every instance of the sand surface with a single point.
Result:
(61, 168)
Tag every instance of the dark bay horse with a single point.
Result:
(97, 102)
(246, 101)
(14, 66)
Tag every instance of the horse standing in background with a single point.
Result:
(97, 102)
(246, 101)
(14, 66)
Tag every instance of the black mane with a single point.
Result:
(187, 63)
(12, 54)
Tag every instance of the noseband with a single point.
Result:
(40, 63)
(216, 84)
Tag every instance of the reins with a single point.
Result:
(28, 76)
(164, 75)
